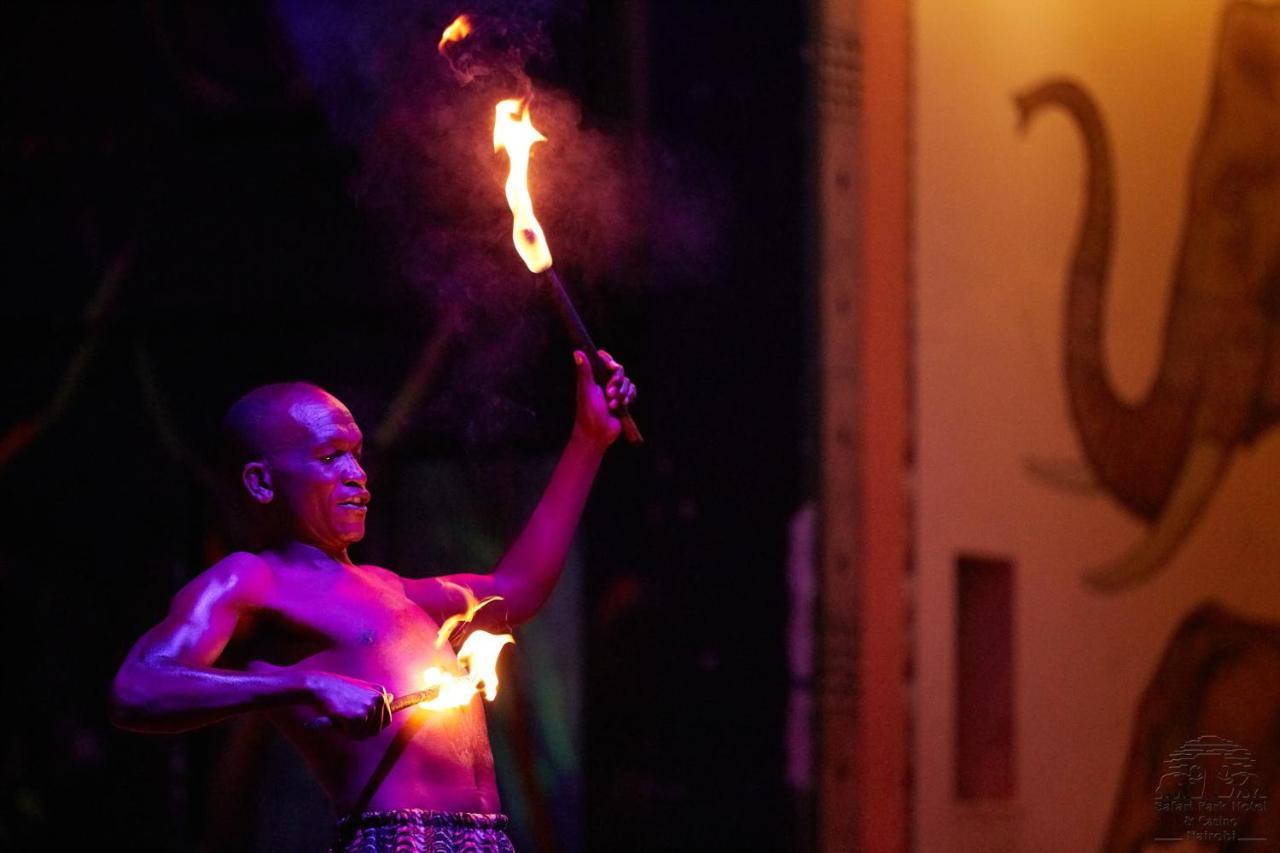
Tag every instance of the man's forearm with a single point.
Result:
(528, 571)
(166, 697)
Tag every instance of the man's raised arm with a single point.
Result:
(529, 569)
(168, 683)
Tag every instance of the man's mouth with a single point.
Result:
(360, 502)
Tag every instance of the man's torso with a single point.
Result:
(356, 621)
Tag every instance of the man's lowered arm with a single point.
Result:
(168, 682)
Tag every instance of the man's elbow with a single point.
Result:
(132, 705)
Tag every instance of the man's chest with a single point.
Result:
(346, 614)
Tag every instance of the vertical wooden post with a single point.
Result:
(839, 282)
(862, 136)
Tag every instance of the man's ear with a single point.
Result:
(256, 477)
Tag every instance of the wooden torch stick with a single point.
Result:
(582, 340)
(408, 700)
(399, 703)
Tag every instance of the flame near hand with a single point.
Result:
(478, 658)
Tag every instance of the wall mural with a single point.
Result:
(1218, 384)
(1205, 749)
(1204, 755)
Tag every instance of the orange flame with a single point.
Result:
(457, 31)
(451, 624)
(478, 659)
(515, 134)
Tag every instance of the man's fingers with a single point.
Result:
(615, 368)
(620, 392)
(614, 365)
(584, 367)
(384, 718)
(378, 715)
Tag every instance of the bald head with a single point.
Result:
(295, 450)
(269, 417)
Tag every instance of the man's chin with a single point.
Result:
(351, 537)
(348, 526)
(339, 538)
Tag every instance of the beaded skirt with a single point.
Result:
(423, 831)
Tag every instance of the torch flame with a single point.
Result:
(478, 658)
(451, 624)
(515, 134)
(479, 654)
(457, 31)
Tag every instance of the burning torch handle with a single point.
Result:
(408, 700)
(582, 340)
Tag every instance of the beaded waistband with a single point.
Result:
(423, 817)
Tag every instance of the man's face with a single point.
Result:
(314, 457)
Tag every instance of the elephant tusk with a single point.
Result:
(1204, 466)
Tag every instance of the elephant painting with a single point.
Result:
(1218, 383)
(1207, 729)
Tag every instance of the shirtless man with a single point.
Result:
(319, 643)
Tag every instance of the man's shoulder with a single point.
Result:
(244, 564)
(241, 576)
(245, 560)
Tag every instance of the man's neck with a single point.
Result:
(298, 552)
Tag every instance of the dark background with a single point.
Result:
(226, 174)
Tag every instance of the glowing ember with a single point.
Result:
(457, 31)
(515, 134)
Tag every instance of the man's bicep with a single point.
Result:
(448, 595)
(202, 617)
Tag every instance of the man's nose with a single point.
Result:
(355, 473)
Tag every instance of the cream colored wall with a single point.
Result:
(996, 216)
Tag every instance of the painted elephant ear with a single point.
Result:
(1249, 84)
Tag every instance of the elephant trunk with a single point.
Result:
(1136, 451)
(1143, 454)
